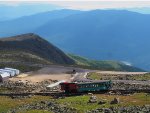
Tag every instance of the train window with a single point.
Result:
(90, 85)
(83, 86)
(99, 85)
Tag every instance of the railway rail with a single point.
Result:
(75, 94)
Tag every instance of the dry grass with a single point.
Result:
(7, 103)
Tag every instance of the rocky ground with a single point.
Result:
(44, 105)
(26, 87)
(130, 85)
(123, 80)
(57, 108)
(133, 109)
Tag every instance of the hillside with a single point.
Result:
(30, 52)
(103, 64)
(30, 49)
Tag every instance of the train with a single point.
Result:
(74, 87)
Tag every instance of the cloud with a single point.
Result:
(87, 4)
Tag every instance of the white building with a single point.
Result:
(4, 76)
(12, 73)
(7, 73)
(17, 72)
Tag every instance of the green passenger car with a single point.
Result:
(94, 86)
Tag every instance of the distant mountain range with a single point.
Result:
(99, 34)
(29, 52)
(27, 24)
(15, 10)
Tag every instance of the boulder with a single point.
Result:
(93, 99)
(115, 101)
(101, 102)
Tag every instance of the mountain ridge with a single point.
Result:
(34, 44)
(30, 52)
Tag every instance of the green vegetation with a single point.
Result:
(99, 76)
(7, 103)
(3, 89)
(141, 77)
(102, 65)
(95, 76)
(21, 67)
(37, 111)
(78, 102)
(81, 102)
(21, 60)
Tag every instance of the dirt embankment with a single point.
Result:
(51, 72)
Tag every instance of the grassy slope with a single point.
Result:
(103, 65)
(78, 102)
(21, 60)
(29, 62)
(7, 103)
(99, 76)
(29, 49)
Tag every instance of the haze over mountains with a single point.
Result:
(98, 34)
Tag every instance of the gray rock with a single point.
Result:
(115, 101)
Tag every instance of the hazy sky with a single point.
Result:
(142, 6)
(86, 4)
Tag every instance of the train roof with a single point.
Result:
(96, 81)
